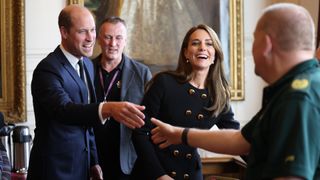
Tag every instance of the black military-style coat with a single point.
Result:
(179, 104)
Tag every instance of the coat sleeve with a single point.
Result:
(93, 148)
(226, 120)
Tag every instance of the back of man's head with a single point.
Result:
(290, 25)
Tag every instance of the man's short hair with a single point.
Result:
(290, 25)
(114, 20)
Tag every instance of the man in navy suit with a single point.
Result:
(65, 105)
(117, 78)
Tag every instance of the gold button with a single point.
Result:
(192, 91)
(176, 153)
(200, 116)
(188, 156)
(173, 174)
(204, 96)
(186, 176)
(188, 112)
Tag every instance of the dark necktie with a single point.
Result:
(83, 77)
(81, 70)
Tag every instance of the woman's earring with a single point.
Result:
(187, 60)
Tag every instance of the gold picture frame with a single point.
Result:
(12, 70)
(235, 47)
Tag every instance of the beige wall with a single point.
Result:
(42, 37)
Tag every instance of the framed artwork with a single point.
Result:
(12, 65)
(156, 29)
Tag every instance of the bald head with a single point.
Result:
(290, 25)
(70, 13)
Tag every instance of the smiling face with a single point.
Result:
(79, 39)
(112, 39)
(200, 51)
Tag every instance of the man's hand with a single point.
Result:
(96, 172)
(127, 113)
(165, 177)
(165, 134)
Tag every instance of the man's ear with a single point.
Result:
(267, 45)
(63, 32)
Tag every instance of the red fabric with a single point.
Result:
(18, 176)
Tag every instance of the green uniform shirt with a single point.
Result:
(285, 134)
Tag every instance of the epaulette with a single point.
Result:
(300, 83)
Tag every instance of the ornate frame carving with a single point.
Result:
(76, 2)
(236, 47)
(13, 96)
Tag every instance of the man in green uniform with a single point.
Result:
(282, 139)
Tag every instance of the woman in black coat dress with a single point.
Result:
(197, 95)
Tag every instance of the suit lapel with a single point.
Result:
(73, 73)
(127, 78)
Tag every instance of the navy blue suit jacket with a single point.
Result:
(64, 146)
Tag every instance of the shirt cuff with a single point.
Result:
(103, 120)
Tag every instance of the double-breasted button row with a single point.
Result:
(192, 92)
(173, 174)
(176, 153)
(189, 113)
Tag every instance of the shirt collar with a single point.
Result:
(270, 90)
(119, 66)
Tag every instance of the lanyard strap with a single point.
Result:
(106, 93)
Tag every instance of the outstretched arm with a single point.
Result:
(222, 141)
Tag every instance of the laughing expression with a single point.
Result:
(200, 51)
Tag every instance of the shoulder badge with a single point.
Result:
(300, 84)
(289, 158)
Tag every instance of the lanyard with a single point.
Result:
(106, 93)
